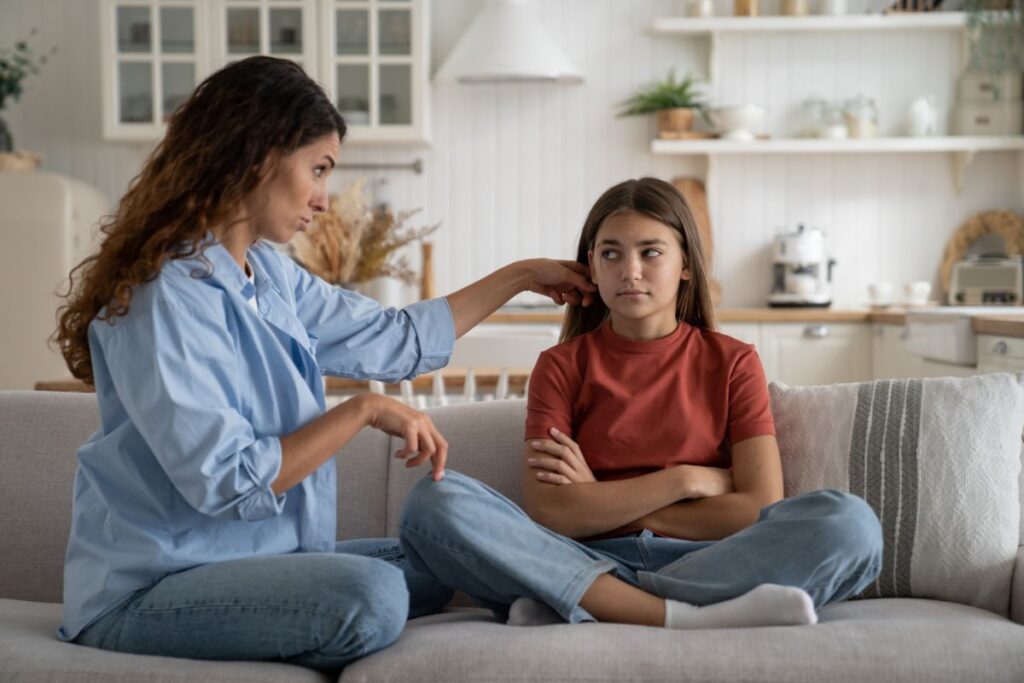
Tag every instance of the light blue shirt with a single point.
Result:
(195, 388)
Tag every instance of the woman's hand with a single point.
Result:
(565, 282)
(705, 482)
(566, 464)
(421, 436)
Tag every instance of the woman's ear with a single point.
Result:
(685, 274)
(590, 263)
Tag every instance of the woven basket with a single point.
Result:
(19, 161)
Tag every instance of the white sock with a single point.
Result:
(766, 605)
(528, 612)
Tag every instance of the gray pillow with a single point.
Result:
(937, 459)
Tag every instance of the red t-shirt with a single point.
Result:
(635, 407)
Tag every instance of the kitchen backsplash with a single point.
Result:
(512, 170)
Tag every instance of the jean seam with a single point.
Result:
(300, 609)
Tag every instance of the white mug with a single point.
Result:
(917, 292)
(880, 293)
(922, 117)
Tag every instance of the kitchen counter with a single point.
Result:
(892, 316)
(1002, 325)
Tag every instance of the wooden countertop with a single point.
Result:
(731, 315)
(1002, 325)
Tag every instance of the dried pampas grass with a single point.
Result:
(350, 243)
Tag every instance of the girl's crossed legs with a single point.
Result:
(465, 534)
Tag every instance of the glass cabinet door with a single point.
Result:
(281, 28)
(377, 67)
(153, 57)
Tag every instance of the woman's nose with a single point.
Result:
(318, 202)
(631, 268)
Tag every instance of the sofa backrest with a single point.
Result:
(40, 432)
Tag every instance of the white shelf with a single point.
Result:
(952, 143)
(961, 148)
(853, 22)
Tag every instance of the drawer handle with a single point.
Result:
(1000, 348)
(816, 331)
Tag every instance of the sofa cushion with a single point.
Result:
(866, 640)
(937, 459)
(30, 653)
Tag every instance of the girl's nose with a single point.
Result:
(631, 267)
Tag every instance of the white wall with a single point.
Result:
(513, 169)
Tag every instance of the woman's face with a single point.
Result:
(293, 190)
(637, 264)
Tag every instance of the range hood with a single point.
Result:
(506, 43)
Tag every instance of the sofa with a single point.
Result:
(884, 639)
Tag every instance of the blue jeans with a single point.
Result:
(468, 536)
(320, 610)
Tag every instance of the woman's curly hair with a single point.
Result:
(211, 158)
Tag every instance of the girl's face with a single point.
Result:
(637, 264)
(293, 190)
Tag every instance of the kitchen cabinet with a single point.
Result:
(153, 54)
(280, 28)
(816, 353)
(1000, 354)
(371, 56)
(374, 65)
(745, 332)
(889, 356)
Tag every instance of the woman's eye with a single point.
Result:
(319, 171)
(650, 253)
(609, 254)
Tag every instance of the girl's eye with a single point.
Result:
(319, 171)
(652, 252)
(609, 254)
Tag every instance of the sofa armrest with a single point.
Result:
(1017, 588)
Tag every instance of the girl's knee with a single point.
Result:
(848, 522)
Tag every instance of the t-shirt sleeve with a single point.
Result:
(553, 389)
(750, 412)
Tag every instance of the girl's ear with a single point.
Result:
(685, 273)
(590, 263)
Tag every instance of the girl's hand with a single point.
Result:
(421, 436)
(566, 464)
(565, 282)
(705, 482)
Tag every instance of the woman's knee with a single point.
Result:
(369, 601)
(434, 503)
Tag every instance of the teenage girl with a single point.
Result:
(652, 483)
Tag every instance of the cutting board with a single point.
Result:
(693, 192)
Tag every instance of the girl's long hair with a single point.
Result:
(662, 202)
(212, 157)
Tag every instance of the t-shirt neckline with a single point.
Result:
(620, 343)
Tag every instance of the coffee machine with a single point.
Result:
(802, 272)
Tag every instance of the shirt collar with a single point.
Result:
(230, 275)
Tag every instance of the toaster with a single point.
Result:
(987, 280)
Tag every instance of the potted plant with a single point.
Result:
(674, 101)
(16, 64)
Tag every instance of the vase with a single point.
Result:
(388, 291)
(6, 143)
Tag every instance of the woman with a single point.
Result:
(652, 480)
(204, 507)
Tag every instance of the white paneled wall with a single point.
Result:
(513, 169)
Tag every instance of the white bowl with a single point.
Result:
(736, 122)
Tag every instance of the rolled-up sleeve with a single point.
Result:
(359, 338)
(175, 371)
